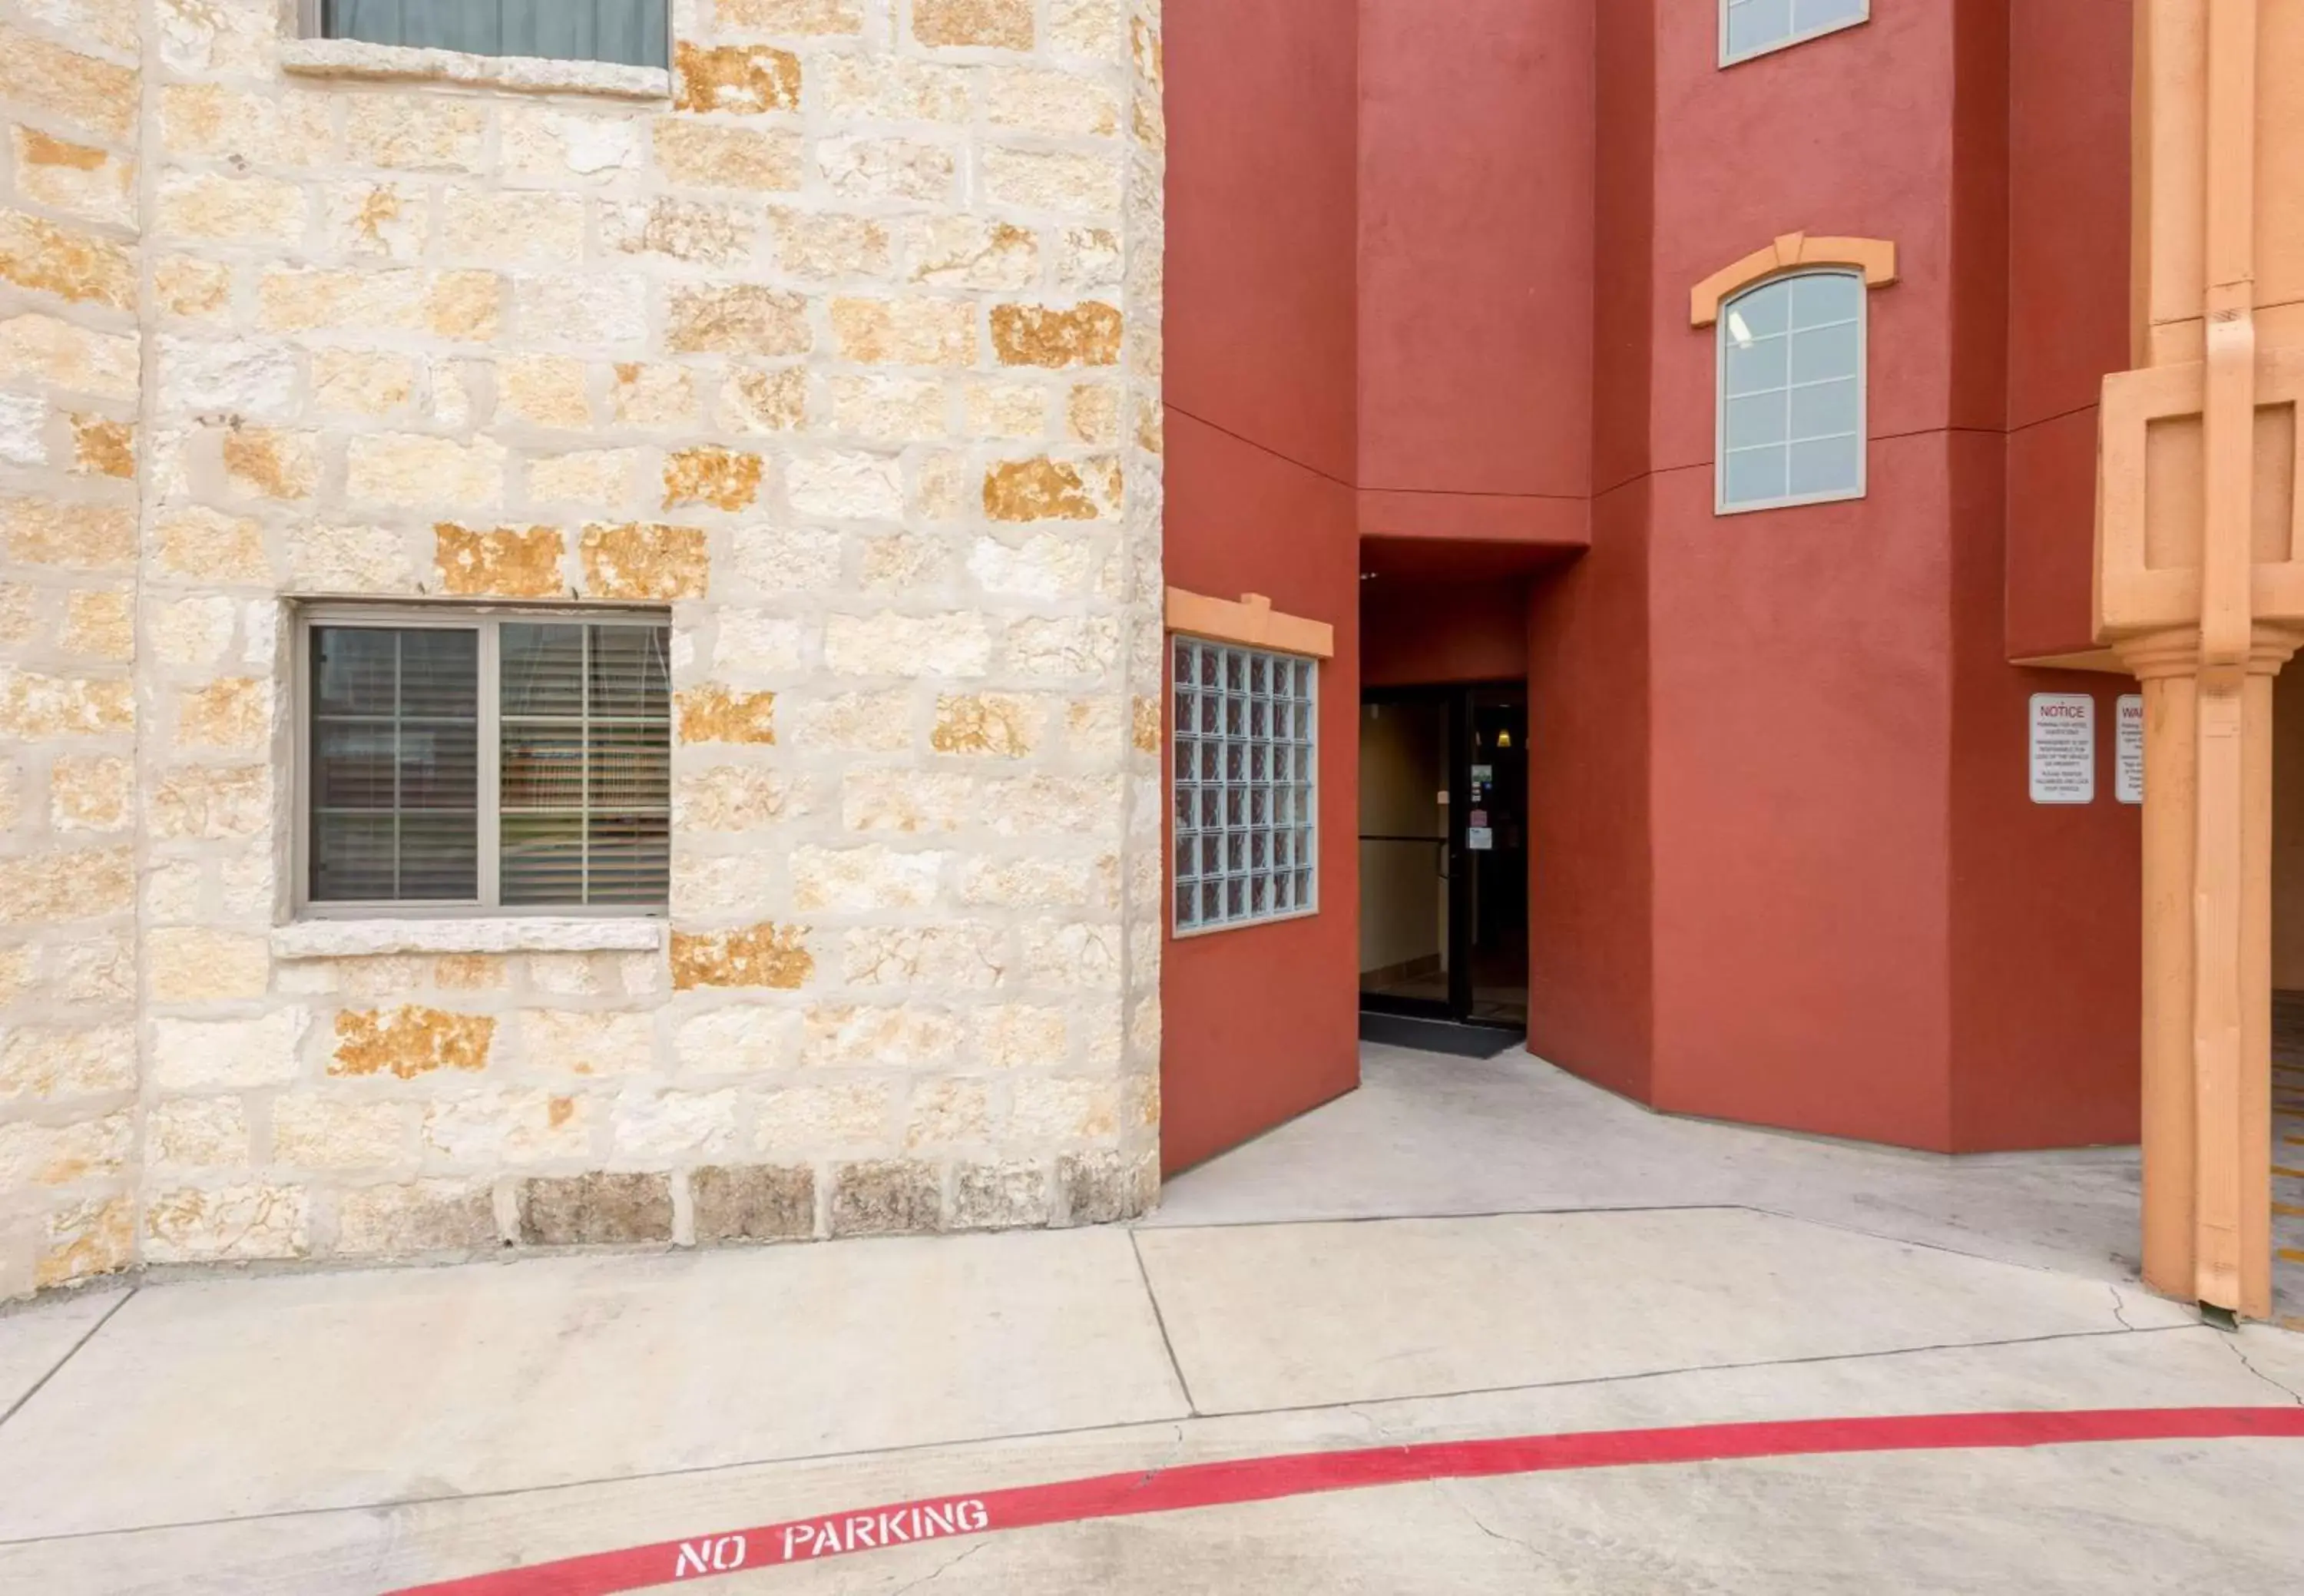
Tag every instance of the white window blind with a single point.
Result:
(634, 32)
(1245, 745)
(1792, 391)
(513, 762)
(1755, 27)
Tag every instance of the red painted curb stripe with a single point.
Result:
(1265, 1478)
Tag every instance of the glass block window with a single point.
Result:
(515, 762)
(634, 32)
(1749, 28)
(1792, 391)
(1245, 745)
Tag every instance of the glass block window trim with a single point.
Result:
(1790, 399)
(1245, 742)
(630, 32)
(1749, 28)
(454, 761)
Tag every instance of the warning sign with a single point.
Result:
(2128, 774)
(2063, 748)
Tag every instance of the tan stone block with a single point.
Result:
(408, 1041)
(419, 1217)
(61, 884)
(854, 722)
(587, 1041)
(1030, 883)
(1151, 424)
(741, 78)
(43, 349)
(890, 644)
(1043, 566)
(829, 245)
(591, 478)
(86, 1239)
(505, 562)
(499, 226)
(994, 24)
(469, 305)
(211, 802)
(417, 132)
(34, 706)
(98, 969)
(469, 973)
(1018, 1036)
(596, 1210)
(963, 956)
(54, 1062)
(265, 462)
(213, 547)
(547, 389)
(65, 83)
(944, 1114)
(218, 120)
(1047, 489)
(1088, 258)
(727, 798)
(695, 230)
(1060, 104)
(68, 533)
(745, 319)
(232, 713)
(845, 485)
(187, 286)
(361, 382)
(647, 394)
(309, 1132)
(572, 974)
(191, 631)
(1088, 28)
(377, 976)
(1061, 181)
(21, 609)
(645, 560)
(103, 447)
(888, 408)
(673, 1124)
(1046, 805)
(846, 1036)
(197, 1132)
(1053, 338)
(900, 561)
(1046, 1108)
(99, 625)
(724, 478)
(404, 468)
(236, 210)
(1062, 647)
(787, 559)
(296, 299)
(1004, 409)
(861, 881)
(193, 1226)
(197, 965)
(1071, 956)
(1004, 725)
(905, 800)
(15, 972)
(1092, 414)
(201, 1054)
(44, 1155)
(708, 155)
(593, 309)
(885, 1198)
(75, 177)
(744, 1039)
(91, 793)
(565, 143)
(755, 401)
(515, 1127)
(772, 956)
(755, 641)
(1004, 1196)
(791, 16)
(887, 168)
(882, 87)
(944, 485)
(327, 559)
(753, 1205)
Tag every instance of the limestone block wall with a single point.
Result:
(842, 345)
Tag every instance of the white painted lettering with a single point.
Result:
(728, 1552)
(972, 1515)
(827, 1538)
(792, 1532)
(692, 1559)
(892, 1529)
(939, 1521)
(859, 1532)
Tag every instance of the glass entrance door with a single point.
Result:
(1443, 859)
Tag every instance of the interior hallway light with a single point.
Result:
(1503, 739)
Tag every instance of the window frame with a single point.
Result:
(485, 619)
(1721, 505)
(1310, 825)
(312, 23)
(1789, 40)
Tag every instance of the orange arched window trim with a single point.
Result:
(1875, 257)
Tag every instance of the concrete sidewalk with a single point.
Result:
(364, 1431)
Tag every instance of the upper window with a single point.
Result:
(1245, 751)
(1792, 391)
(513, 761)
(633, 33)
(1749, 28)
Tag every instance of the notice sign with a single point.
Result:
(1480, 840)
(2063, 748)
(2129, 773)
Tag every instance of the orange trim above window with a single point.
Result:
(1875, 257)
(1252, 623)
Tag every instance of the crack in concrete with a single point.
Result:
(2118, 1307)
(2290, 1392)
(941, 1570)
(1175, 1450)
(1448, 1492)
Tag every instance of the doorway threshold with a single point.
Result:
(1439, 1035)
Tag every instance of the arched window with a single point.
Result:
(1792, 391)
(1749, 28)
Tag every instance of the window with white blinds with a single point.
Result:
(634, 32)
(497, 762)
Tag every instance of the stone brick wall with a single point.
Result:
(845, 348)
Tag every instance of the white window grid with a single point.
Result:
(487, 619)
(1752, 27)
(1814, 364)
(1246, 747)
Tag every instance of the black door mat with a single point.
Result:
(1438, 1036)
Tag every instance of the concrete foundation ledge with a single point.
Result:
(359, 938)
